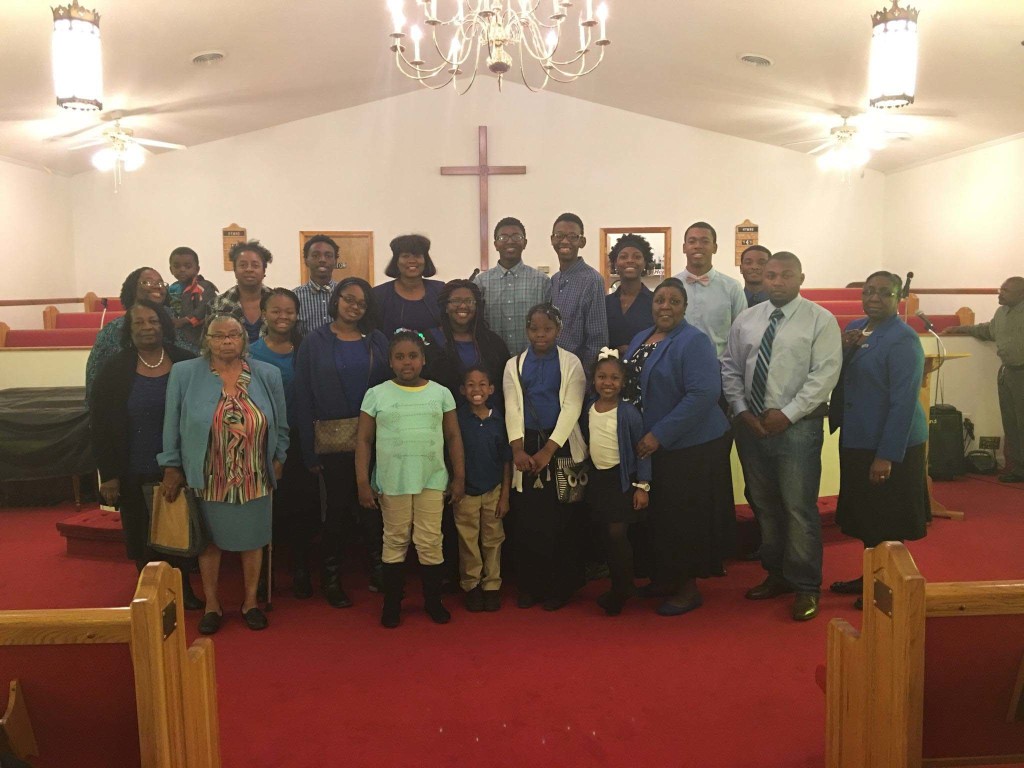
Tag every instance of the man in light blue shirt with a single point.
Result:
(781, 363)
(713, 300)
(321, 256)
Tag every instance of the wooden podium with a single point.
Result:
(932, 363)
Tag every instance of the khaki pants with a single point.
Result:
(418, 514)
(481, 534)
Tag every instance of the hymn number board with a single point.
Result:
(355, 254)
(746, 236)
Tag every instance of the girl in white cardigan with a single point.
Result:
(544, 389)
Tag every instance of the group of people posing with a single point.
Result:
(579, 423)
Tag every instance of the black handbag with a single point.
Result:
(175, 527)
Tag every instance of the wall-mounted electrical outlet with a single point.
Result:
(988, 443)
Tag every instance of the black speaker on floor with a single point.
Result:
(945, 442)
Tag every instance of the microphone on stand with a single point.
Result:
(928, 325)
(940, 348)
(904, 294)
(475, 273)
(103, 317)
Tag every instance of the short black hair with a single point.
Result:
(549, 310)
(253, 245)
(892, 277)
(509, 221)
(368, 322)
(759, 248)
(166, 324)
(632, 241)
(318, 239)
(569, 217)
(476, 368)
(677, 284)
(702, 225)
(297, 329)
(184, 250)
(404, 334)
(130, 286)
(787, 256)
(418, 245)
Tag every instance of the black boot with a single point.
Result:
(302, 583)
(332, 583)
(393, 576)
(433, 575)
(189, 599)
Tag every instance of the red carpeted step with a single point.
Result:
(94, 533)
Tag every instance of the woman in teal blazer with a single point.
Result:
(883, 491)
(226, 437)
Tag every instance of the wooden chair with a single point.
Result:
(115, 686)
(934, 677)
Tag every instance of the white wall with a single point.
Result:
(37, 257)
(957, 224)
(376, 167)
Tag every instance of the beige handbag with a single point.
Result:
(335, 436)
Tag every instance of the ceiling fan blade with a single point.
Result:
(72, 134)
(86, 144)
(821, 147)
(161, 144)
(803, 141)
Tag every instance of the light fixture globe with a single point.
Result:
(77, 58)
(892, 77)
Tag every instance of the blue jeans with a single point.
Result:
(783, 474)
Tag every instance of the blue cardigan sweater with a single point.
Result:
(681, 384)
(193, 393)
(630, 427)
(319, 395)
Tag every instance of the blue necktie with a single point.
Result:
(764, 356)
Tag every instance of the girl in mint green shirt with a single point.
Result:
(408, 420)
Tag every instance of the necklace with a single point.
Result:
(158, 362)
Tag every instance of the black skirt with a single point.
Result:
(607, 501)
(691, 493)
(896, 510)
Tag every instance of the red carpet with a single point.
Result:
(728, 686)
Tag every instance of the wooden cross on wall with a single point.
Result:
(484, 171)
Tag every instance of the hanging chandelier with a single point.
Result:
(77, 58)
(892, 78)
(506, 34)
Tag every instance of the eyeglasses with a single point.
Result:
(352, 301)
(222, 337)
(882, 293)
(461, 302)
(152, 283)
(516, 238)
(572, 238)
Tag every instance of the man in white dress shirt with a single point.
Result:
(713, 300)
(782, 361)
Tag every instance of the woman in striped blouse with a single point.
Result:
(226, 437)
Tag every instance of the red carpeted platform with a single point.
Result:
(730, 685)
(93, 533)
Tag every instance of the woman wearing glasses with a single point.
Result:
(464, 340)
(409, 300)
(143, 283)
(336, 365)
(883, 491)
(226, 437)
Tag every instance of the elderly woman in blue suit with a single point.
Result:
(883, 489)
(226, 437)
(673, 377)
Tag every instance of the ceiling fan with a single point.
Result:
(121, 150)
(849, 145)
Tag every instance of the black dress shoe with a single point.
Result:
(674, 609)
(769, 588)
(859, 603)
(336, 596)
(612, 602)
(525, 600)
(255, 619)
(475, 600)
(302, 585)
(555, 603)
(851, 587)
(1011, 477)
(210, 623)
(492, 600)
(805, 606)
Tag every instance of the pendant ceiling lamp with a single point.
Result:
(77, 58)
(892, 78)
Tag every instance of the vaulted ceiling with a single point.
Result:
(672, 59)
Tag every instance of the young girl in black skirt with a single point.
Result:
(617, 493)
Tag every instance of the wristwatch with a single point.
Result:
(646, 487)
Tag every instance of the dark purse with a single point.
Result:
(571, 477)
(175, 527)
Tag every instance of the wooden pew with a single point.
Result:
(76, 668)
(934, 677)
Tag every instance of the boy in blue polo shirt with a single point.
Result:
(488, 484)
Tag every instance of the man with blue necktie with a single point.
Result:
(782, 360)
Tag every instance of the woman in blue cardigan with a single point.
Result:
(336, 365)
(674, 379)
(226, 437)
(883, 488)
